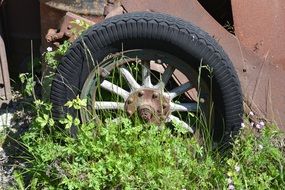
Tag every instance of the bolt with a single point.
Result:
(155, 95)
(159, 61)
(130, 100)
(141, 93)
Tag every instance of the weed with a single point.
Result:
(128, 154)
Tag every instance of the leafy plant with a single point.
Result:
(29, 82)
(129, 154)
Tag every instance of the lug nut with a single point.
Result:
(141, 93)
(155, 95)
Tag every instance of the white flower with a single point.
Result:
(237, 168)
(262, 123)
(242, 125)
(49, 49)
(252, 124)
(77, 21)
(251, 113)
(231, 187)
(229, 180)
(260, 146)
(258, 126)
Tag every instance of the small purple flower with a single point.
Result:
(251, 113)
(231, 187)
(258, 126)
(262, 123)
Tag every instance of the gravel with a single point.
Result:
(12, 119)
(5, 173)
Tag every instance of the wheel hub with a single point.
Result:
(146, 112)
(150, 104)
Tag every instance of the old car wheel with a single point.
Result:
(152, 65)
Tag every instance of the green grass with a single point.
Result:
(125, 154)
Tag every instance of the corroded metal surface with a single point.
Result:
(260, 26)
(56, 24)
(87, 7)
(263, 87)
(261, 81)
(151, 105)
(67, 27)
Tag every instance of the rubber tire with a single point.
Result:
(150, 30)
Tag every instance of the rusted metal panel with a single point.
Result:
(53, 19)
(87, 7)
(5, 89)
(263, 86)
(261, 81)
(260, 26)
(66, 27)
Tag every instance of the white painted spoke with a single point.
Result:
(177, 121)
(115, 89)
(183, 107)
(130, 79)
(146, 79)
(108, 105)
(179, 90)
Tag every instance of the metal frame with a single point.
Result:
(4, 78)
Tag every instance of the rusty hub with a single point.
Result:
(150, 104)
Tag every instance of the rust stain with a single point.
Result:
(86, 7)
(260, 27)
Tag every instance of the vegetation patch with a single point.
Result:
(130, 154)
